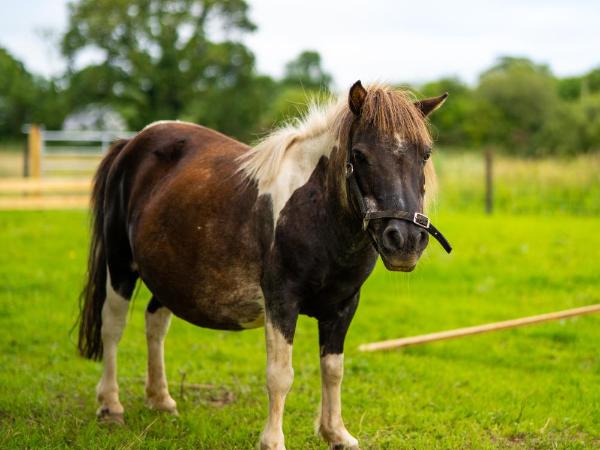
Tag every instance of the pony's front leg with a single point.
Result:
(332, 333)
(279, 332)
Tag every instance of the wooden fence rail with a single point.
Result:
(40, 193)
(478, 329)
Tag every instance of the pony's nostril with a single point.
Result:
(422, 238)
(392, 239)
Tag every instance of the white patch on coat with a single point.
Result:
(114, 319)
(285, 160)
(331, 425)
(297, 167)
(157, 388)
(370, 203)
(280, 376)
(398, 148)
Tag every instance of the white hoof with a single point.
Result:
(339, 439)
(272, 442)
(164, 403)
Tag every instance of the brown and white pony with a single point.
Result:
(231, 237)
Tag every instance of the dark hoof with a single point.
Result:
(343, 447)
(105, 416)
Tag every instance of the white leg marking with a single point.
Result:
(114, 318)
(157, 389)
(331, 426)
(280, 376)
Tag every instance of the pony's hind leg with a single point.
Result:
(158, 319)
(114, 318)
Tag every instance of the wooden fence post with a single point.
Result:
(34, 153)
(26, 158)
(489, 181)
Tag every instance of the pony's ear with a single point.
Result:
(356, 97)
(429, 105)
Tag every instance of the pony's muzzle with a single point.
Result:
(402, 244)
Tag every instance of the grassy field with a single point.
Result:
(521, 186)
(535, 387)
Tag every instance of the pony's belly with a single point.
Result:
(219, 314)
(237, 308)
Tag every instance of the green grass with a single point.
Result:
(533, 387)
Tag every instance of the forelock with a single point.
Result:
(390, 112)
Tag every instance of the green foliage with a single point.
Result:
(289, 103)
(461, 119)
(523, 96)
(305, 81)
(16, 93)
(159, 62)
(185, 59)
(307, 71)
(25, 98)
(570, 88)
(590, 109)
(532, 387)
(521, 108)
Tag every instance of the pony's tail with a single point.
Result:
(93, 295)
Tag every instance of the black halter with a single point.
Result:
(419, 219)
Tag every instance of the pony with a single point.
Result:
(231, 237)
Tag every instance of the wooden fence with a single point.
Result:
(58, 167)
(38, 193)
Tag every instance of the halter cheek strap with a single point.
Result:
(419, 219)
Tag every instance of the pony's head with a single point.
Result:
(386, 144)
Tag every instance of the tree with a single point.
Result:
(524, 96)
(570, 88)
(306, 70)
(305, 81)
(159, 62)
(592, 81)
(458, 122)
(17, 94)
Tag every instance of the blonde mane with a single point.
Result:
(264, 160)
(326, 126)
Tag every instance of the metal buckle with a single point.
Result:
(421, 220)
(349, 169)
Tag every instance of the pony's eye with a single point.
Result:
(426, 156)
(359, 156)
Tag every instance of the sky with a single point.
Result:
(375, 40)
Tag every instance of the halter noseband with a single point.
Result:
(419, 219)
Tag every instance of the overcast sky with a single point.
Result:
(384, 40)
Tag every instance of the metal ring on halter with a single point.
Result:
(349, 169)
